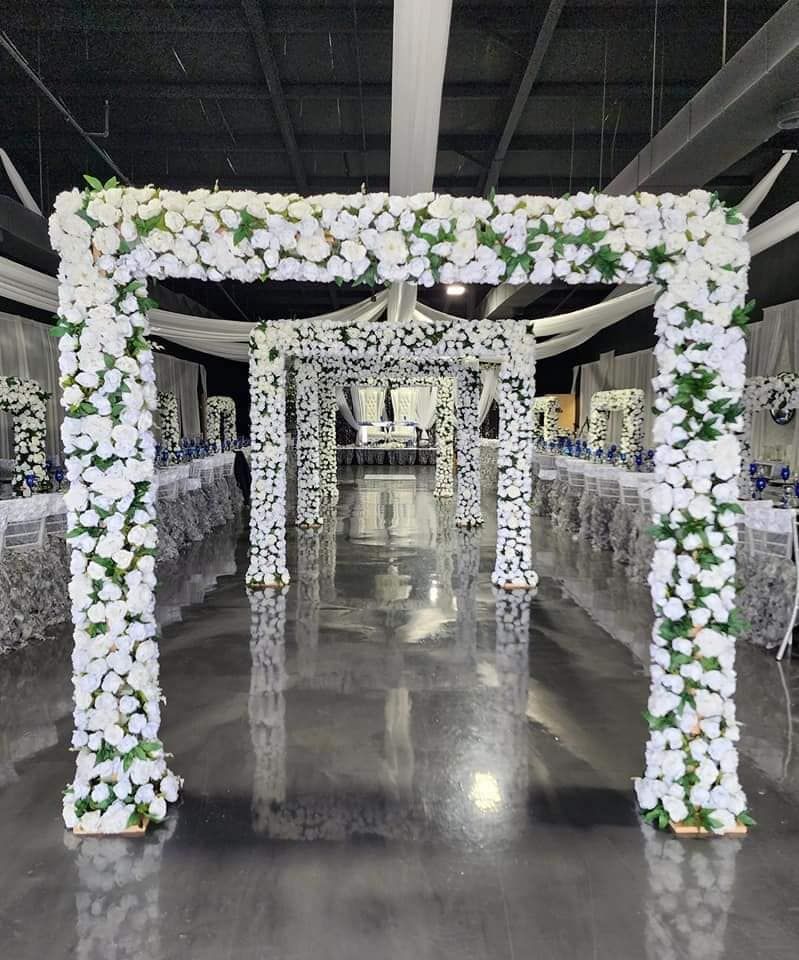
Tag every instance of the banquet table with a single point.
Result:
(377, 454)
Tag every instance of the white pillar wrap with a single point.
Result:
(445, 435)
(308, 482)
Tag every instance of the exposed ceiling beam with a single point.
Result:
(198, 141)
(544, 35)
(257, 23)
(336, 18)
(136, 90)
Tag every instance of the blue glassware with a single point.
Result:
(650, 454)
(30, 480)
(760, 484)
(785, 473)
(59, 476)
(752, 469)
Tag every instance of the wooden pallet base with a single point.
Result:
(681, 830)
(129, 832)
(266, 586)
(516, 586)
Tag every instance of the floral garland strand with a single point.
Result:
(631, 404)
(170, 421)
(268, 463)
(328, 467)
(221, 419)
(765, 393)
(514, 564)
(691, 774)
(27, 403)
(468, 383)
(445, 436)
(309, 510)
(108, 393)
(546, 413)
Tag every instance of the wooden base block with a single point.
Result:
(129, 832)
(516, 586)
(266, 586)
(682, 830)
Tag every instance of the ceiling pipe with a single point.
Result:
(9, 46)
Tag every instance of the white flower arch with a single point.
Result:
(546, 411)
(111, 239)
(631, 404)
(26, 402)
(763, 393)
(220, 416)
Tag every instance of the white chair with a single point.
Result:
(24, 522)
(207, 471)
(768, 532)
(607, 483)
(56, 518)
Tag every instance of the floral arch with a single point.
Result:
(545, 418)
(170, 421)
(764, 393)
(631, 404)
(26, 402)
(111, 239)
(220, 416)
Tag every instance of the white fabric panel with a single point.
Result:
(28, 351)
(20, 188)
(774, 348)
(748, 206)
(426, 407)
(489, 376)
(774, 230)
(636, 370)
(344, 408)
(180, 378)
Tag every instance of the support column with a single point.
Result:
(109, 446)
(514, 563)
(445, 433)
(268, 464)
(468, 446)
(328, 470)
(308, 479)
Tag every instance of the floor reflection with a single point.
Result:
(390, 759)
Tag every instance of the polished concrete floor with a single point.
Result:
(389, 763)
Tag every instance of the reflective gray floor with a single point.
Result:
(387, 763)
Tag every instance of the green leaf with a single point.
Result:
(110, 184)
(746, 819)
(93, 182)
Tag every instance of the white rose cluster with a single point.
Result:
(445, 435)
(691, 771)
(765, 393)
(220, 419)
(26, 402)
(546, 413)
(631, 404)
(170, 421)
(328, 409)
(468, 387)
(309, 512)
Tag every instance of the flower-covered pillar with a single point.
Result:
(445, 436)
(267, 462)
(514, 563)
(108, 392)
(308, 480)
(26, 401)
(691, 775)
(170, 421)
(468, 445)
(328, 408)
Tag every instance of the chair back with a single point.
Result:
(769, 533)
(25, 522)
(629, 486)
(607, 481)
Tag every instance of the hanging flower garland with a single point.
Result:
(111, 239)
(221, 419)
(631, 404)
(765, 393)
(170, 421)
(467, 379)
(546, 412)
(27, 403)
(445, 436)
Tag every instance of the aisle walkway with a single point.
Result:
(381, 766)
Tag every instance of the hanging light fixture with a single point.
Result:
(455, 289)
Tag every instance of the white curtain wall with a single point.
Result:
(774, 348)
(28, 351)
(631, 370)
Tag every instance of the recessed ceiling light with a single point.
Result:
(455, 290)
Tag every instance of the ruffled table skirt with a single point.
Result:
(378, 456)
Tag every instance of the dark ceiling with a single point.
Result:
(296, 95)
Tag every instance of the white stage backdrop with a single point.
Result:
(28, 351)
(619, 373)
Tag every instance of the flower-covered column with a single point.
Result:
(445, 436)
(108, 392)
(308, 482)
(328, 408)
(170, 421)
(514, 564)
(267, 463)
(691, 775)
(468, 444)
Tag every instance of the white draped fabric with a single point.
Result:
(344, 408)
(182, 379)
(774, 348)
(28, 351)
(426, 407)
(631, 370)
(489, 374)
